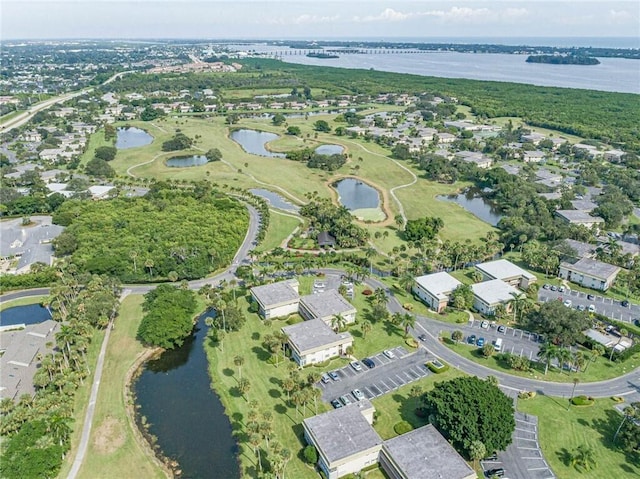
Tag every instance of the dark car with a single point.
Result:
(471, 339)
(499, 472)
(422, 337)
(336, 404)
(591, 297)
(554, 287)
(636, 322)
(480, 342)
(624, 304)
(492, 457)
(368, 362)
(502, 329)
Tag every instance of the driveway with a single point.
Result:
(388, 375)
(611, 308)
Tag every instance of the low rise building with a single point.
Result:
(325, 306)
(277, 299)
(535, 156)
(344, 438)
(423, 454)
(489, 294)
(578, 217)
(314, 341)
(615, 156)
(590, 273)
(507, 272)
(579, 249)
(435, 289)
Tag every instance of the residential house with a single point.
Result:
(507, 272)
(326, 239)
(589, 273)
(580, 249)
(314, 342)
(577, 217)
(435, 289)
(532, 137)
(614, 156)
(478, 158)
(534, 156)
(445, 138)
(325, 306)
(489, 294)
(276, 300)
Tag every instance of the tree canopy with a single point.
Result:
(469, 409)
(562, 326)
(426, 227)
(180, 141)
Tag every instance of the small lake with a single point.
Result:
(329, 150)
(253, 141)
(131, 137)
(275, 200)
(356, 194)
(28, 314)
(475, 204)
(186, 161)
(174, 393)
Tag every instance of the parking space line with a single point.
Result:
(392, 381)
(402, 381)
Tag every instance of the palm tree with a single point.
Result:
(564, 356)
(407, 321)
(579, 360)
(583, 456)
(548, 352)
(370, 253)
(477, 451)
(365, 327)
(244, 386)
(255, 440)
(133, 254)
(457, 335)
(149, 265)
(630, 412)
(623, 334)
(239, 362)
(406, 281)
(595, 353)
(338, 322)
(289, 385)
(575, 384)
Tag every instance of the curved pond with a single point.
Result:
(174, 394)
(474, 203)
(356, 194)
(131, 137)
(186, 161)
(253, 141)
(275, 200)
(28, 314)
(329, 150)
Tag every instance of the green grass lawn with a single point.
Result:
(21, 302)
(96, 140)
(113, 449)
(561, 431)
(280, 226)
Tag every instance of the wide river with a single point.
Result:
(613, 74)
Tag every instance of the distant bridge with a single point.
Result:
(348, 51)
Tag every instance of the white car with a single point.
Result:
(356, 365)
(357, 394)
(592, 308)
(484, 324)
(389, 354)
(567, 303)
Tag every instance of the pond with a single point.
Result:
(253, 141)
(174, 394)
(131, 137)
(186, 161)
(356, 194)
(474, 203)
(275, 200)
(329, 150)
(28, 314)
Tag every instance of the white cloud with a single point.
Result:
(512, 13)
(619, 16)
(307, 19)
(453, 15)
(387, 15)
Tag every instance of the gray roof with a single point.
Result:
(494, 291)
(594, 268)
(438, 284)
(502, 269)
(581, 249)
(31, 243)
(577, 216)
(313, 334)
(327, 303)
(425, 454)
(276, 293)
(584, 205)
(343, 432)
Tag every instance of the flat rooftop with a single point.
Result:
(578, 216)
(327, 303)
(438, 284)
(276, 293)
(343, 432)
(592, 267)
(425, 454)
(582, 249)
(501, 269)
(313, 334)
(494, 291)
(31, 243)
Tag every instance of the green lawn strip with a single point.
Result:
(96, 140)
(280, 226)
(561, 431)
(113, 450)
(21, 302)
(599, 370)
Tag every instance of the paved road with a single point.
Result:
(611, 308)
(24, 117)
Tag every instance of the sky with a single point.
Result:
(317, 19)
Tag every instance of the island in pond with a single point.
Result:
(563, 59)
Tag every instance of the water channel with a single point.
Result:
(174, 394)
(27, 314)
(275, 200)
(186, 161)
(253, 141)
(356, 194)
(131, 137)
(329, 150)
(471, 200)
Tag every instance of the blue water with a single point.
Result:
(29, 314)
(253, 141)
(186, 161)
(132, 138)
(475, 204)
(275, 200)
(329, 150)
(355, 194)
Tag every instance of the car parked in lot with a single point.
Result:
(498, 472)
(581, 307)
(560, 289)
(502, 329)
(422, 337)
(334, 375)
(567, 303)
(492, 457)
(484, 324)
(345, 400)
(471, 339)
(591, 297)
(325, 378)
(356, 365)
(480, 342)
(624, 303)
(388, 353)
(357, 394)
(546, 286)
(554, 287)
(368, 362)
(336, 404)
(636, 322)
(592, 308)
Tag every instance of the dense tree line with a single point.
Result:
(179, 141)
(423, 228)
(167, 234)
(316, 160)
(337, 220)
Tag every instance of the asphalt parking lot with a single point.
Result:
(611, 308)
(332, 281)
(387, 375)
(523, 459)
